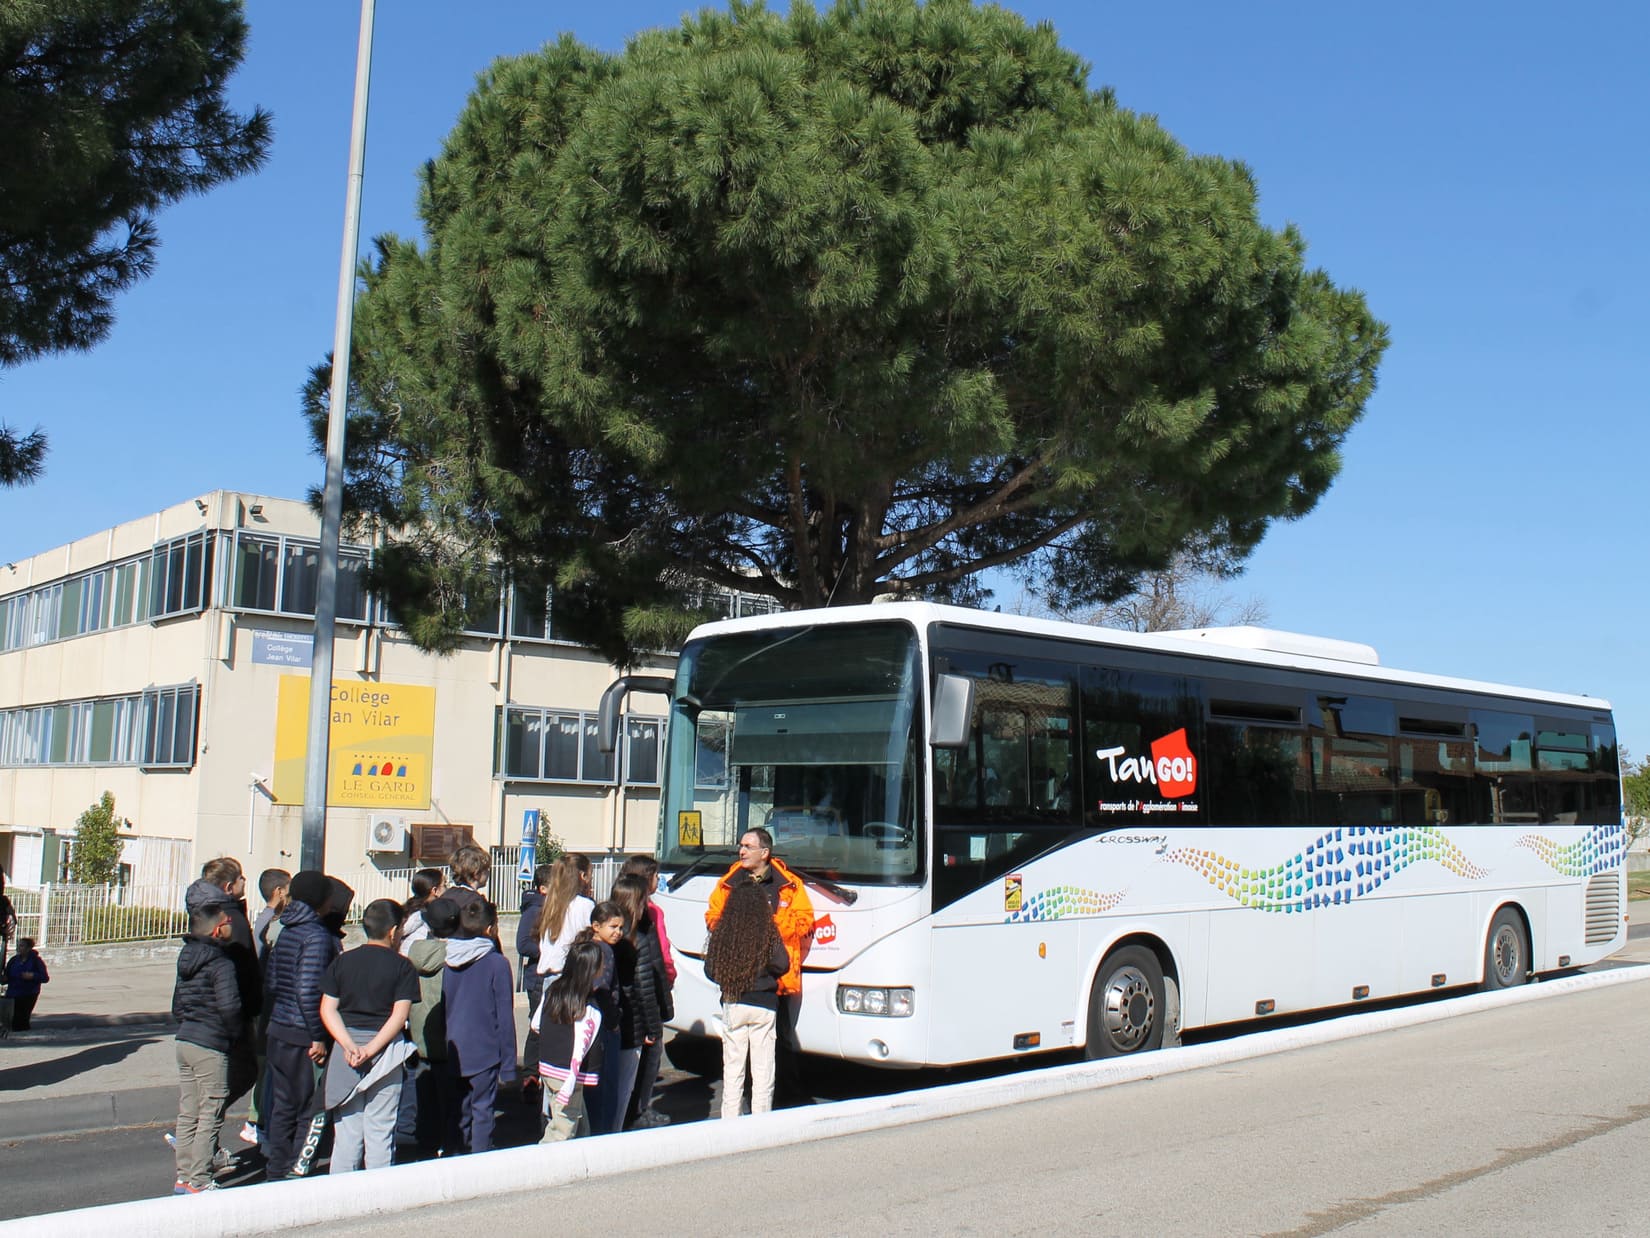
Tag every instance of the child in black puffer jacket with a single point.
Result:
(206, 1002)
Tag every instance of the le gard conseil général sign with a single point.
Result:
(379, 752)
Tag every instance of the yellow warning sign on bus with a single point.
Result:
(690, 828)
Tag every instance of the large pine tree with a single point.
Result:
(826, 306)
(110, 110)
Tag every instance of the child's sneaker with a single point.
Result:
(221, 1160)
(249, 1133)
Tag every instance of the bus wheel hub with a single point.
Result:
(1129, 1008)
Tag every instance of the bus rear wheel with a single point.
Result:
(1506, 953)
(1127, 1010)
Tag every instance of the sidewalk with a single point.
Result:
(100, 1055)
(100, 1052)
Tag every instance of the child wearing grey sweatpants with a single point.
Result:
(366, 997)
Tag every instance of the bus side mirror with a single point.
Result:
(612, 706)
(953, 710)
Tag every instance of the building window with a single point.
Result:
(484, 612)
(153, 728)
(534, 618)
(300, 574)
(257, 571)
(644, 738)
(128, 593)
(529, 621)
(562, 745)
(169, 726)
(281, 575)
(180, 577)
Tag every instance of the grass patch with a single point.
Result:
(1638, 885)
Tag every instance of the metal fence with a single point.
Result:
(503, 886)
(77, 915)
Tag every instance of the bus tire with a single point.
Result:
(1127, 1011)
(1506, 952)
(694, 1055)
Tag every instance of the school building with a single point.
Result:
(166, 661)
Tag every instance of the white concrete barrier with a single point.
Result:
(326, 1200)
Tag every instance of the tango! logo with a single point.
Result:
(1171, 765)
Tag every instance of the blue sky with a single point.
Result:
(1478, 170)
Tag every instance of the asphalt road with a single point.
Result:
(134, 1162)
(1531, 1119)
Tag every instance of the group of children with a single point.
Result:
(339, 1032)
(408, 1039)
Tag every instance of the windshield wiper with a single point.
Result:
(840, 893)
(678, 880)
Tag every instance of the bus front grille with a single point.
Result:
(1603, 907)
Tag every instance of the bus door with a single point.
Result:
(1004, 814)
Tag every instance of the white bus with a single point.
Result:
(1021, 835)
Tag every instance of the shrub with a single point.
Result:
(130, 923)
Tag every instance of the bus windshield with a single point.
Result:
(808, 732)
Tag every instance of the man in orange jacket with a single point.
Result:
(793, 916)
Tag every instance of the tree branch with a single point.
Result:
(913, 542)
(950, 575)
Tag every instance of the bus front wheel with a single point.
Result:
(1127, 1011)
(1506, 953)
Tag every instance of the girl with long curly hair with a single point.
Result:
(745, 959)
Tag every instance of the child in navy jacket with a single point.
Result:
(25, 973)
(477, 990)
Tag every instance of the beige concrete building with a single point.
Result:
(148, 661)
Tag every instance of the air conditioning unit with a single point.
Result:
(386, 834)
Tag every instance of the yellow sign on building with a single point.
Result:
(382, 743)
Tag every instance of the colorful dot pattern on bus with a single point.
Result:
(1060, 901)
(1600, 851)
(1337, 868)
(1340, 866)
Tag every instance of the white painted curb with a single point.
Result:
(327, 1200)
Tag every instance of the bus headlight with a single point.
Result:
(883, 1003)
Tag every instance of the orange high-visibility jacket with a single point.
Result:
(794, 919)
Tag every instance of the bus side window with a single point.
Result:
(1352, 768)
(954, 778)
(1606, 765)
(1564, 780)
(1504, 765)
(1016, 767)
(1135, 723)
(1003, 743)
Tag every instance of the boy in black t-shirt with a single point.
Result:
(365, 999)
